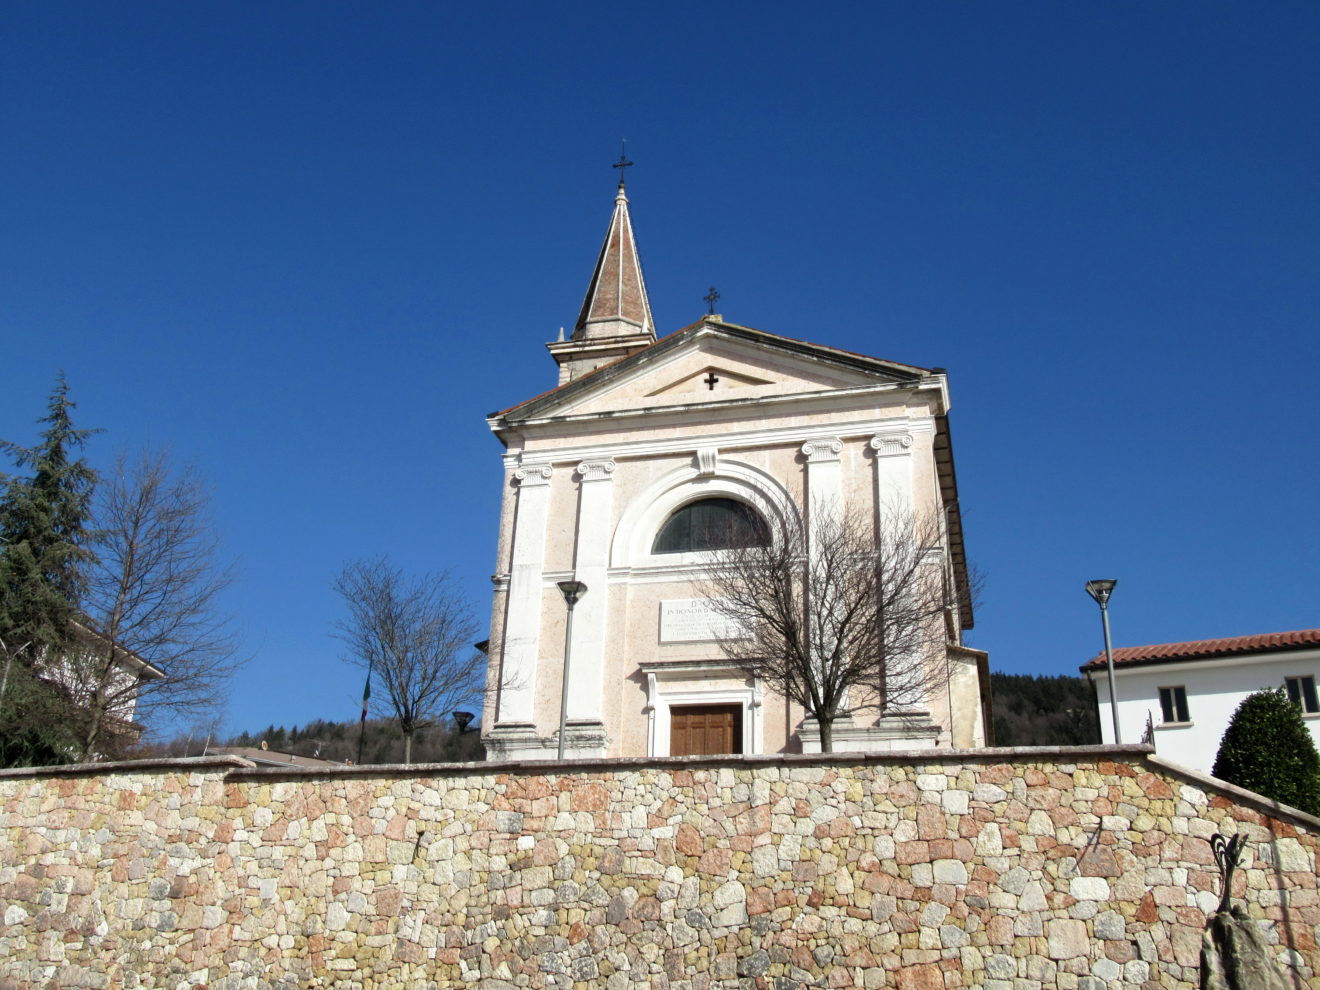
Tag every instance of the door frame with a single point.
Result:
(748, 695)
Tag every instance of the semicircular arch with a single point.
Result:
(645, 514)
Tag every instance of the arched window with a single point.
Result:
(712, 524)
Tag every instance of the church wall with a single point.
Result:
(966, 728)
(562, 522)
(635, 627)
(643, 454)
(548, 683)
(1078, 869)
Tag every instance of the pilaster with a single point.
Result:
(824, 477)
(895, 514)
(590, 563)
(522, 624)
(893, 473)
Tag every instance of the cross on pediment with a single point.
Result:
(710, 299)
(710, 380)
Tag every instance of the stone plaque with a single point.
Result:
(693, 620)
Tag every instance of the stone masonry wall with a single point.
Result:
(1009, 870)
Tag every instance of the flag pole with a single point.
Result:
(362, 727)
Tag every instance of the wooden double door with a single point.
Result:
(702, 730)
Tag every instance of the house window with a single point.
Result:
(1301, 691)
(712, 524)
(1173, 704)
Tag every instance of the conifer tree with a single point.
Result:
(46, 534)
(1268, 749)
(46, 542)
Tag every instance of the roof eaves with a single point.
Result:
(121, 652)
(1208, 649)
(798, 344)
(591, 378)
(948, 482)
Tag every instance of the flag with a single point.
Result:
(366, 696)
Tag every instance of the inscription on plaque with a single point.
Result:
(693, 620)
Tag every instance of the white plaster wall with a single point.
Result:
(1214, 690)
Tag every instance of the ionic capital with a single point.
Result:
(891, 444)
(533, 475)
(601, 470)
(822, 450)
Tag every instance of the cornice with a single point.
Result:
(729, 443)
(597, 345)
(500, 423)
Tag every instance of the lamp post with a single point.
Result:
(1100, 591)
(572, 591)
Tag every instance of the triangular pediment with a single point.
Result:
(711, 362)
(708, 379)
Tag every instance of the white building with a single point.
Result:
(1187, 692)
(640, 432)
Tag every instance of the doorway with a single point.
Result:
(705, 730)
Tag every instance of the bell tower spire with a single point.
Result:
(615, 319)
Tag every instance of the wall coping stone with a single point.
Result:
(217, 762)
(244, 769)
(1240, 794)
(1004, 754)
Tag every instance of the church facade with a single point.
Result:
(603, 472)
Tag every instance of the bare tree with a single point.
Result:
(156, 643)
(415, 637)
(843, 616)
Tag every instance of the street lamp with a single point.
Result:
(572, 591)
(1100, 591)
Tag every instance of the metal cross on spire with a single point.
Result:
(710, 299)
(622, 164)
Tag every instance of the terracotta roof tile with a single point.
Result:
(1206, 649)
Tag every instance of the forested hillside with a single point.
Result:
(338, 741)
(1031, 710)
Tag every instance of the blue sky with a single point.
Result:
(308, 246)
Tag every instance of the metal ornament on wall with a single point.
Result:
(1228, 856)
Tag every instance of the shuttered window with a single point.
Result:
(1301, 691)
(1173, 704)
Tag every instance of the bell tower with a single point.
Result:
(616, 316)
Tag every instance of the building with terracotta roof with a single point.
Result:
(1187, 692)
(641, 435)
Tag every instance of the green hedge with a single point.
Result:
(1268, 749)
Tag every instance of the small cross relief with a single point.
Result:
(706, 380)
